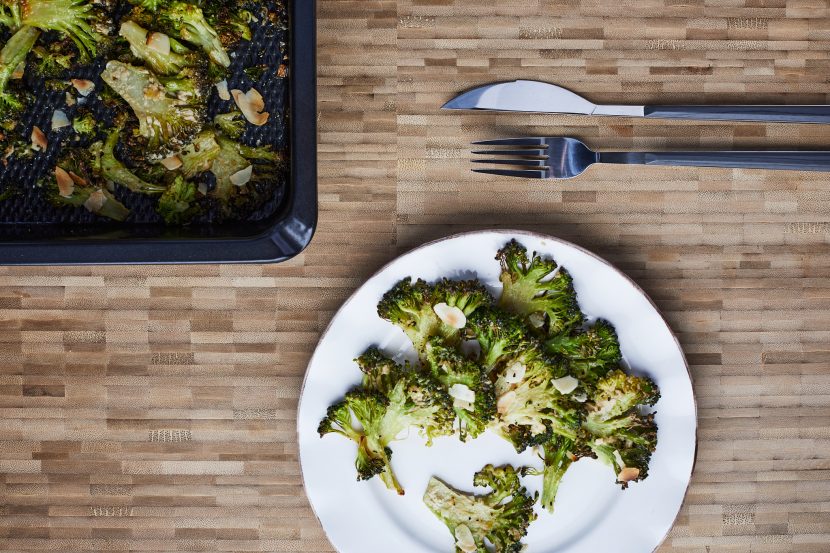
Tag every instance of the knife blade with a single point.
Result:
(540, 97)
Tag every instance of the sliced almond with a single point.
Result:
(566, 384)
(450, 316)
(77, 179)
(59, 120)
(618, 458)
(70, 100)
(514, 373)
(159, 42)
(251, 104)
(505, 401)
(19, 71)
(39, 142)
(464, 539)
(581, 397)
(172, 163)
(83, 86)
(462, 392)
(628, 474)
(536, 319)
(66, 186)
(203, 189)
(222, 88)
(243, 177)
(95, 201)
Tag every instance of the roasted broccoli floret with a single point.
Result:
(14, 53)
(118, 173)
(231, 21)
(501, 335)
(620, 435)
(189, 21)
(534, 401)
(237, 165)
(391, 400)
(10, 14)
(77, 182)
(500, 517)
(590, 353)
(558, 454)
(467, 383)
(177, 205)
(52, 62)
(231, 124)
(166, 123)
(162, 54)
(535, 289)
(76, 19)
(85, 123)
(199, 156)
(412, 307)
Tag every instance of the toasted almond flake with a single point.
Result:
(95, 201)
(222, 88)
(59, 120)
(203, 189)
(462, 392)
(505, 401)
(466, 405)
(515, 373)
(536, 319)
(628, 474)
(19, 71)
(464, 539)
(39, 142)
(566, 384)
(83, 86)
(450, 316)
(243, 177)
(172, 163)
(159, 42)
(77, 179)
(618, 458)
(70, 100)
(66, 186)
(581, 397)
(251, 104)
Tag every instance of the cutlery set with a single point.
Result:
(564, 157)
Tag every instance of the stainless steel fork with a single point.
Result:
(564, 158)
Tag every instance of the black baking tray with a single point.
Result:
(280, 231)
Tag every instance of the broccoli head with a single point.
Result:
(618, 433)
(501, 335)
(14, 53)
(232, 124)
(533, 400)
(412, 307)
(178, 203)
(76, 19)
(166, 123)
(535, 289)
(118, 173)
(467, 383)
(198, 156)
(159, 51)
(53, 61)
(85, 123)
(189, 21)
(236, 165)
(500, 517)
(590, 353)
(77, 182)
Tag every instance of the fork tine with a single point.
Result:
(528, 174)
(525, 152)
(525, 162)
(512, 142)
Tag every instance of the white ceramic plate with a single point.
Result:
(592, 512)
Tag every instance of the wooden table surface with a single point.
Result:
(153, 408)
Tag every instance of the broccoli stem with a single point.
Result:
(118, 173)
(557, 461)
(13, 54)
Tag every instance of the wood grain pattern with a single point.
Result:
(152, 408)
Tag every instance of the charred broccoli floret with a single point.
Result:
(231, 124)
(53, 61)
(189, 21)
(166, 123)
(199, 156)
(500, 517)
(77, 182)
(162, 54)
(412, 307)
(177, 204)
(501, 335)
(467, 383)
(118, 173)
(529, 290)
(620, 435)
(590, 353)
(76, 19)
(85, 123)
(14, 53)
(392, 400)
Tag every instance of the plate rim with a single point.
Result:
(507, 232)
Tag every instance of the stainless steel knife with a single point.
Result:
(539, 97)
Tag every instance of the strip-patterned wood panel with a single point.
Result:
(152, 408)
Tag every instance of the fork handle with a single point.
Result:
(773, 113)
(795, 161)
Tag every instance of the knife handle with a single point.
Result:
(794, 161)
(777, 114)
